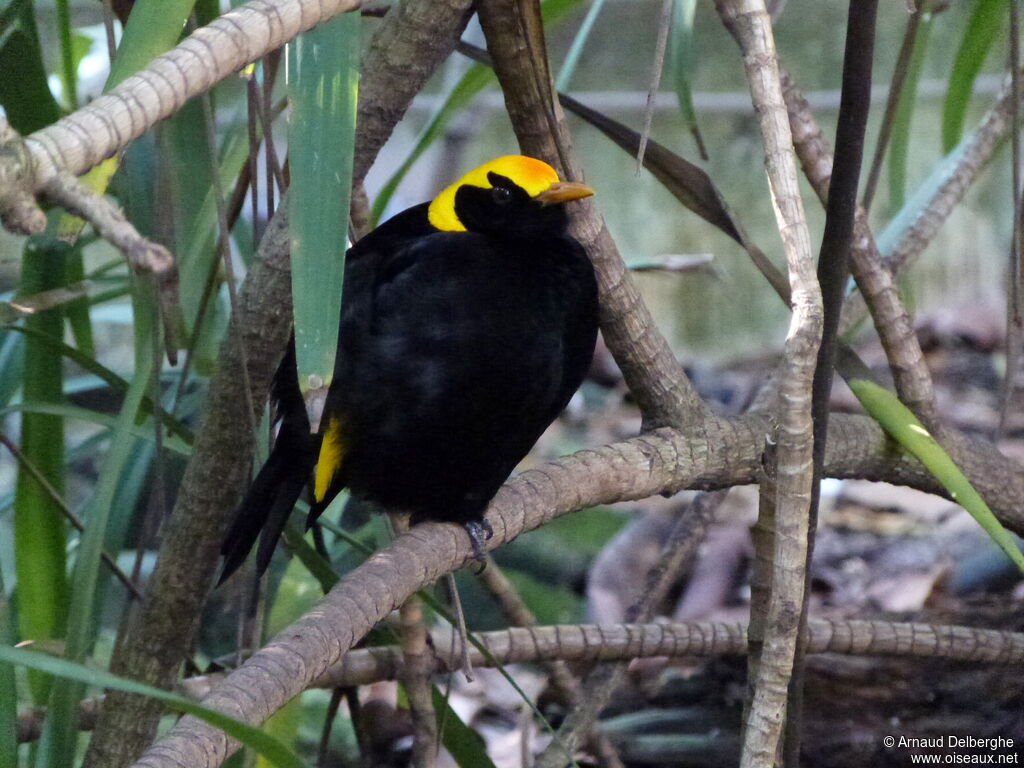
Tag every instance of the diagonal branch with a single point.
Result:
(151, 646)
(85, 137)
(891, 319)
(664, 461)
(653, 374)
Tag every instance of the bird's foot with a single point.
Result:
(479, 532)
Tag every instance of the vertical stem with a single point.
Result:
(68, 76)
(1014, 310)
(833, 273)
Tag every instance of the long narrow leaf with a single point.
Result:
(65, 411)
(901, 424)
(464, 744)
(77, 310)
(26, 99)
(153, 27)
(60, 732)
(99, 370)
(12, 365)
(916, 206)
(188, 162)
(68, 65)
(682, 57)
(578, 43)
(8, 688)
(197, 250)
(899, 147)
(687, 182)
(323, 86)
(252, 737)
(39, 530)
(476, 78)
(987, 20)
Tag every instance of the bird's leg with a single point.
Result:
(479, 532)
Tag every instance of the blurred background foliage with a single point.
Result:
(76, 346)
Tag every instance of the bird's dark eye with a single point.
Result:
(501, 195)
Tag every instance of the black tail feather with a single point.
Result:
(267, 505)
(277, 487)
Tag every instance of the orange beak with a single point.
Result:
(563, 192)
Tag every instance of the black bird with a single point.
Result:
(467, 323)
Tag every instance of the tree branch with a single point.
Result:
(726, 453)
(653, 374)
(151, 647)
(792, 439)
(85, 137)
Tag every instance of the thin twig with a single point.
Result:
(563, 682)
(664, 24)
(601, 683)
(891, 319)
(68, 513)
(590, 642)
(1015, 289)
(323, 750)
(833, 273)
(899, 77)
(418, 662)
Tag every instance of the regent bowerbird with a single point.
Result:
(467, 324)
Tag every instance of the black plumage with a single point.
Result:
(457, 348)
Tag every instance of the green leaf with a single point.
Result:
(8, 688)
(920, 200)
(12, 364)
(987, 20)
(323, 87)
(899, 146)
(252, 737)
(295, 595)
(68, 63)
(77, 311)
(117, 383)
(65, 411)
(39, 528)
(315, 564)
(27, 99)
(901, 424)
(60, 730)
(153, 27)
(476, 78)
(466, 746)
(197, 249)
(682, 44)
(578, 43)
(190, 164)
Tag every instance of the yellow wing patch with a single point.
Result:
(331, 454)
(531, 174)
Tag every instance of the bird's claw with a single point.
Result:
(479, 532)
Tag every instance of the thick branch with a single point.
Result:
(749, 21)
(724, 453)
(85, 137)
(891, 319)
(614, 642)
(907, 236)
(654, 376)
(152, 647)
